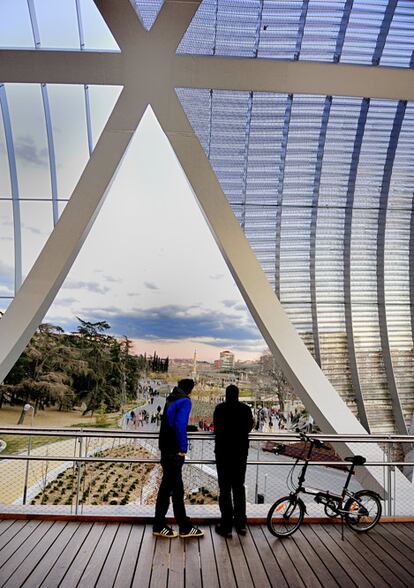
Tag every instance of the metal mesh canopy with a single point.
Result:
(322, 187)
(373, 32)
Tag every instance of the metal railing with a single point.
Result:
(90, 470)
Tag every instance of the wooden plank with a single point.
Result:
(312, 559)
(281, 555)
(32, 558)
(97, 560)
(348, 545)
(110, 568)
(51, 556)
(80, 561)
(393, 549)
(395, 569)
(160, 563)
(375, 559)
(224, 567)
(63, 562)
(386, 533)
(177, 562)
(209, 573)
(240, 567)
(130, 557)
(254, 562)
(144, 566)
(340, 573)
(403, 530)
(299, 561)
(192, 563)
(18, 540)
(342, 558)
(24, 549)
(9, 533)
(270, 564)
(4, 525)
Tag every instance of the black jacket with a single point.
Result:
(233, 421)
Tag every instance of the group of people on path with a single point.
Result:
(233, 421)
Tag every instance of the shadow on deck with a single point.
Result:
(36, 553)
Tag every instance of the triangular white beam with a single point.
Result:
(150, 71)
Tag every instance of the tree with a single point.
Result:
(274, 380)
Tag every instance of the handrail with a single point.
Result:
(73, 458)
(201, 435)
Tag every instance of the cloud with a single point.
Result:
(151, 286)
(229, 303)
(111, 279)
(91, 286)
(179, 322)
(240, 307)
(33, 230)
(65, 301)
(216, 276)
(133, 294)
(6, 279)
(27, 150)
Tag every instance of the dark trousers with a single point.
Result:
(171, 485)
(231, 472)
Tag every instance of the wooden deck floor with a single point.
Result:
(38, 553)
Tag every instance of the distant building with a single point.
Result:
(226, 360)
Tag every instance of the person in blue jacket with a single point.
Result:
(173, 445)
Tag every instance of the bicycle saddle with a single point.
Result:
(356, 459)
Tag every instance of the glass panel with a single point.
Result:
(67, 105)
(5, 187)
(37, 224)
(57, 22)
(30, 140)
(15, 27)
(97, 34)
(6, 249)
(102, 101)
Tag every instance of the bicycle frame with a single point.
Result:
(334, 501)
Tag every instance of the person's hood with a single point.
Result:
(176, 394)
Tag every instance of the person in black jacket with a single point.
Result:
(233, 421)
(173, 446)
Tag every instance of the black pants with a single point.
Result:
(171, 485)
(231, 472)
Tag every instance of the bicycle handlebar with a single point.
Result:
(308, 439)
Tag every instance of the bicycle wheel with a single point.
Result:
(363, 511)
(285, 516)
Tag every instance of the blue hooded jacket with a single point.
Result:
(173, 431)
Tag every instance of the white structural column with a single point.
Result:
(150, 70)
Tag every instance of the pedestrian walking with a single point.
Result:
(173, 445)
(233, 421)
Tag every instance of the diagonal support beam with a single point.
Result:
(54, 262)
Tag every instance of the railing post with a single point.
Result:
(389, 480)
(78, 476)
(256, 490)
(26, 474)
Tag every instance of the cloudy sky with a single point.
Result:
(150, 266)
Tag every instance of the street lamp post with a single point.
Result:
(26, 409)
